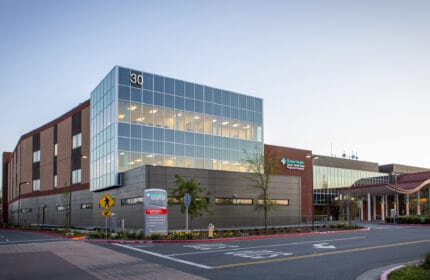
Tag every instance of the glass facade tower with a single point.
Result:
(138, 118)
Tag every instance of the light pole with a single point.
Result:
(19, 197)
(396, 196)
(312, 157)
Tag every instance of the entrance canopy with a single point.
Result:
(403, 184)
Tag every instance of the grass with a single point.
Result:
(413, 272)
(410, 273)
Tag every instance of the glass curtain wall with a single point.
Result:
(326, 180)
(103, 114)
(168, 122)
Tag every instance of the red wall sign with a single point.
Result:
(155, 211)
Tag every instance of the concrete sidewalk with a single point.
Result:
(78, 260)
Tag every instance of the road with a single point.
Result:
(327, 256)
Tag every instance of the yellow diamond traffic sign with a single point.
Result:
(107, 201)
(106, 213)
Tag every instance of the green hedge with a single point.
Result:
(415, 219)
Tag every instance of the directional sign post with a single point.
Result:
(187, 202)
(106, 202)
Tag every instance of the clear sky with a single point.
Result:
(335, 76)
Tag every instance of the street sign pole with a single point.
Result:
(187, 202)
(186, 217)
(106, 226)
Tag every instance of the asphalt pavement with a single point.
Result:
(326, 256)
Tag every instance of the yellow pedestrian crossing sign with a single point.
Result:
(107, 201)
(106, 213)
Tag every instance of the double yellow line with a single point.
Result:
(321, 254)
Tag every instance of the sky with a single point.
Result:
(336, 76)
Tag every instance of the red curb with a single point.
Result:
(384, 275)
(225, 239)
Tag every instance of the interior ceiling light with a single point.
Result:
(246, 127)
(179, 115)
(149, 156)
(196, 117)
(132, 107)
(213, 120)
(138, 160)
(236, 125)
(224, 123)
(153, 111)
(122, 153)
(121, 116)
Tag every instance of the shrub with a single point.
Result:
(186, 235)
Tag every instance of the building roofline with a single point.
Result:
(66, 115)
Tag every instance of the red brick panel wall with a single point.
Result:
(85, 149)
(47, 159)
(276, 153)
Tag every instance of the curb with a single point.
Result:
(35, 231)
(384, 275)
(224, 239)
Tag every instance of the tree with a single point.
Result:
(199, 197)
(65, 201)
(347, 207)
(260, 177)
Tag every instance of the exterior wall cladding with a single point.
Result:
(39, 203)
(275, 154)
(221, 184)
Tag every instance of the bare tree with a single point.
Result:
(260, 177)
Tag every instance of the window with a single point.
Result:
(36, 156)
(132, 201)
(76, 176)
(87, 206)
(55, 181)
(56, 150)
(279, 202)
(234, 201)
(36, 185)
(77, 140)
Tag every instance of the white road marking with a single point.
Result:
(266, 246)
(258, 254)
(213, 246)
(324, 246)
(163, 256)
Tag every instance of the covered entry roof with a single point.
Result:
(406, 184)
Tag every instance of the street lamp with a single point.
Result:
(19, 197)
(396, 196)
(312, 157)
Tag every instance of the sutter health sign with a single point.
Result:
(293, 164)
(155, 211)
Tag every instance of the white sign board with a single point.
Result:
(155, 211)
